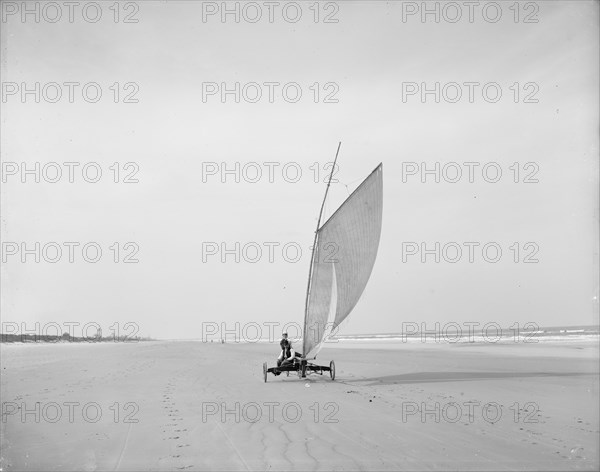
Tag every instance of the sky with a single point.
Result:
(181, 142)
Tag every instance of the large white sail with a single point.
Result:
(349, 239)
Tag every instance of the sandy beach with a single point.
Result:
(204, 406)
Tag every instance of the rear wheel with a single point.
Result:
(265, 371)
(332, 370)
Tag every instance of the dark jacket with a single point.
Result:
(286, 347)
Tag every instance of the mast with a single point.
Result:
(312, 257)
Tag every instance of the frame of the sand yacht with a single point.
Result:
(301, 366)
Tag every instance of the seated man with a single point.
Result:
(287, 354)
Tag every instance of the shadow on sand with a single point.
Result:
(429, 377)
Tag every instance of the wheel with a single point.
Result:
(265, 371)
(332, 370)
(303, 370)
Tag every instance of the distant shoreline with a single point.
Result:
(446, 336)
(46, 339)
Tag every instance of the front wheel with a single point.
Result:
(265, 371)
(332, 370)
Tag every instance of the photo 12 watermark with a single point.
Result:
(270, 92)
(267, 331)
(469, 332)
(470, 12)
(68, 331)
(69, 412)
(469, 92)
(69, 12)
(70, 92)
(269, 412)
(53, 252)
(471, 411)
(270, 171)
(270, 12)
(69, 172)
(470, 252)
(270, 252)
(469, 172)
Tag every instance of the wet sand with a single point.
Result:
(204, 406)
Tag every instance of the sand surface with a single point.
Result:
(202, 406)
